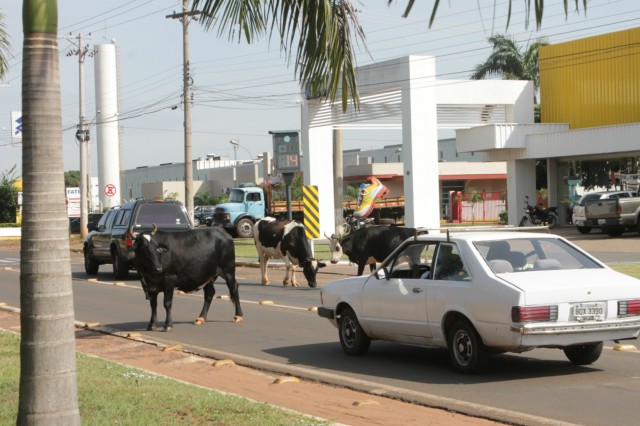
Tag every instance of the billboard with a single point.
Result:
(16, 127)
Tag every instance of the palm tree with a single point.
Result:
(4, 46)
(48, 384)
(512, 62)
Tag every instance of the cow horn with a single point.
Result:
(154, 229)
(333, 236)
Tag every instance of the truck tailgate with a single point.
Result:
(601, 209)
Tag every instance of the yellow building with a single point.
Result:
(593, 81)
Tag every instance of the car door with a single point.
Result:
(394, 305)
(102, 239)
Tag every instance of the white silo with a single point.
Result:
(106, 83)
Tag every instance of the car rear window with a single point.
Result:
(161, 214)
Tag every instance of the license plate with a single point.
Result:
(589, 311)
(602, 221)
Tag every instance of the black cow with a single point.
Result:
(369, 245)
(186, 261)
(285, 239)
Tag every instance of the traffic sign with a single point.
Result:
(110, 190)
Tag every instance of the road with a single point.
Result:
(281, 332)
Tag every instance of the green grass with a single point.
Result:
(110, 393)
(632, 269)
(246, 248)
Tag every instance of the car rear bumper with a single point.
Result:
(542, 334)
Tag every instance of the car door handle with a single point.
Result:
(417, 290)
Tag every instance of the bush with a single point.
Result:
(504, 216)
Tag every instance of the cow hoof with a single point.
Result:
(266, 283)
(153, 327)
(295, 285)
(199, 321)
(238, 318)
(167, 329)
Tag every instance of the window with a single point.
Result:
(449, 265)
(414, 261)
(161, 214)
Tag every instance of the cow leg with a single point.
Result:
(209, 292)
(153, 322)
(361, 268)
(294, 282)
(372, 267)
(168, 302)
(264, 263)
(230, 278)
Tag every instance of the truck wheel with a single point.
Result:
(91, 265)
(244, 228)
(120, 268)
(584, 229)
(196, 222)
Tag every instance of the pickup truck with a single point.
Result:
(112, 242)
(615, 215)
(583, 224)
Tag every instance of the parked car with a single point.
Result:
(92, 223)
(481, 293)
(203, 215)
(111, 242)
(579, 218)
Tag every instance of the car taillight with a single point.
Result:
(628, 307)
(128, 240)
(618, 208)
(534, 313)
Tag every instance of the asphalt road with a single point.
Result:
(282, 333)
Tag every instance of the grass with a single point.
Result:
(632, 269)
(109, 393)
(246, 248)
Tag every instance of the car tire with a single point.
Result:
(120, 268)
(244, 228)
(353, 339)
(91, 265)
(196, 222)
(466, 350)
(584, 354)
(583, 229)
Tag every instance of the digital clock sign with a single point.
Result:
(286, 151)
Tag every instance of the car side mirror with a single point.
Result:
(381, 273)
(101, 228)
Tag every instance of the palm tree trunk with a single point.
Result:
(48, 385)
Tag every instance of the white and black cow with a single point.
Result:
(369, 245)
(186, 261)
(287, 240)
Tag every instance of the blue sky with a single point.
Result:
(243, 91)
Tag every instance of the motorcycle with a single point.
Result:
(537, 215)
(353, 223)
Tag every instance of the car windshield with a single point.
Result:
(532, 254)
(236, 196)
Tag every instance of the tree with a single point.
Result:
(72, 179)
(512, 62)
(8, 196)
(4, 46)
(48, 383)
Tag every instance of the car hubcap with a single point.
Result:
(349, 332)
(463, 348)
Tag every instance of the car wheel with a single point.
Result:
(584, 354)
(244, 228)
(584, 229)
(120, 268)
(196, 222)
(614, 231)
(91, 265)
(466, 350)
(552, 221)
(353, 339)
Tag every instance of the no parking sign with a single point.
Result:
(110, 190)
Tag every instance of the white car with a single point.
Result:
(478, 293)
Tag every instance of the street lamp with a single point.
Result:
(236, 144)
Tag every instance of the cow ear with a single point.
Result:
(321, 265)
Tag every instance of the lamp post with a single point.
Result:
(236, 144)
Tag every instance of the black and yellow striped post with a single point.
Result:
(311, 210)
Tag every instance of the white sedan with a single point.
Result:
(478, 293)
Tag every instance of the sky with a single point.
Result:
(241, 91)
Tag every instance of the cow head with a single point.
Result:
(147, 252)
(310, 269)
(335, 247)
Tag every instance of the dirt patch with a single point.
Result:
(335, 404)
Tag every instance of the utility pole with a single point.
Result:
(82, 136)
(187, 80)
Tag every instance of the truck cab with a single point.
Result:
(245, 207)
